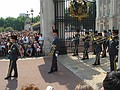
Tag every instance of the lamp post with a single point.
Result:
(32, 13)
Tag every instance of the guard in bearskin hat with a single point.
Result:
(13, 54)
(54, 51)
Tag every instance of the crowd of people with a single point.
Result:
(30, 43)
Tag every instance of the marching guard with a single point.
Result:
(13, 56)
(55, 51)
(98, 49)
(76, 42)
(86, 40)
(113, 50)
(93, 41)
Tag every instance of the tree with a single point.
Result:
(8, 29)
(2, 29)
(36, 19)
(2, 22)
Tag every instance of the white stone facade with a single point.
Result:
(108, 15)
(47, 21)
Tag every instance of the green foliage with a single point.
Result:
(9, 29)
(2, 29)
(11, 23)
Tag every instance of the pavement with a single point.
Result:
(93, 75)
(72, 70)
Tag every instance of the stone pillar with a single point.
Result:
(98, 8)
(47, 21)
(97, 18)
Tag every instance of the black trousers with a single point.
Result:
(112, 62)
(97, 60)
(85, 53)
(54, 66)
(12, 66)
(104, 51)
(76, 49)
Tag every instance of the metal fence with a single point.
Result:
(68, 23)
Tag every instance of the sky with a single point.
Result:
(13, 8)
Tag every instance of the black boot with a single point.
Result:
(8, 77)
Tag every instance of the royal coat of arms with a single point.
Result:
(79, 8)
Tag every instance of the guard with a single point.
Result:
(13, 56)
(76, 42)
(86, 45)
(93, 41)
(55, 51)
(112, 49)
(98, 49)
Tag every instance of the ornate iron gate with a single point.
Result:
(72, 16)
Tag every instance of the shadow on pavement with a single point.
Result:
(12, 84)
(64, 77)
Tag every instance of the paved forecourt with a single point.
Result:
(34, 70)
(93, 75)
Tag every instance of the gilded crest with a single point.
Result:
(79, 8)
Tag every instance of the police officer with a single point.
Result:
(104, 44)
(76, 42)
(55, 45)
(86, 40)
(113, 51)
(98, 49)
(13, 56)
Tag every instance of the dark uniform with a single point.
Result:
(55, 44)
(86, 46)
(13, 56)
(104, 44)
(112, 48)
(98, 49)
(76, 42)
(93, 41)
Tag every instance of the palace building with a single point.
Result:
(108, 15)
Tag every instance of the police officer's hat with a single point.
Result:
(116, 31)
(14, 37)
(99, 34)
(55, 31)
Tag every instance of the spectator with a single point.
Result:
(112, 81)
(29, 51)
(37, 48)
(41, 41)
(83, 86)
(30, 87)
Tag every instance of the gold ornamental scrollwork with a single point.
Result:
(79, 9)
